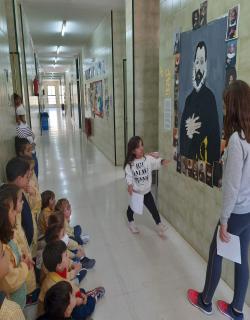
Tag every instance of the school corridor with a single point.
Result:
(145, 277)
(78, 80)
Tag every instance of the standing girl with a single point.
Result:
(138, 171)
(235, 213)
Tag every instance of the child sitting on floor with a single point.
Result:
(75, 232)
(59, 302)
(57, 262)
(77, 252)
(48, 207)
(55, 232)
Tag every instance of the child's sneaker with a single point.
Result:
(81, 275)
(96, 293)
(87, 263)
(85, 238)
(32, 298)
(227, 310)
(132, 227)
(161, 228)
(194, 297)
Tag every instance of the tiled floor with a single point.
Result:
(145, 277)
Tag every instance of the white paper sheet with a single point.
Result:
(136, 202)
(229, 250)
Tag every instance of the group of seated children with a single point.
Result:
(42, 258)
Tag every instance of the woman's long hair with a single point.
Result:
(133, 144)
(237, 102)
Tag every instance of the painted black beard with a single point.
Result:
(198, 77)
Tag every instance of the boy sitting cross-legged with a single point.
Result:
(59, 302)
(57, 262)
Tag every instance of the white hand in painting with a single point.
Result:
(192, 125)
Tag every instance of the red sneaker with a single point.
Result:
(195, 299)
(226, 309)
(97, 293)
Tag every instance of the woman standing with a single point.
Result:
(235, 214)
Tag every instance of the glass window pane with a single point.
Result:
(51, 90)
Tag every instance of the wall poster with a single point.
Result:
(96, 98)
(106, 97)
(200, 77)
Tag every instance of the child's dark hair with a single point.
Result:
(30, 160)
(20, 145)
(11, 188)
(61, 203)
(56, 218)
(46, 197)
(8, 194)
(133, 144)
(57, 299)
(52, 254)
(55, 226)
(16, 167)
(17, 96)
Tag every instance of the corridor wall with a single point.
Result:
(28, 52)
(192, 207)
(21, 53)
(142, 50)
(103, 76)
(7, 112)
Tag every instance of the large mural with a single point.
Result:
(205, 61)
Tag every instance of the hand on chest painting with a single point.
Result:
(192, 126)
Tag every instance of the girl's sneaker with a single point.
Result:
(194, 297)
(132, 227)
(227, 310)
(161, 228)
(96, 293)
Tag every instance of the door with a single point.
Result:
(125, 105)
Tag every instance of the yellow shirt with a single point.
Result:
(16, 276)
(69, 230)
(11, 311)
(35, 202)
(43, 220)
(21, 240)
(51, 279)
(35, 199)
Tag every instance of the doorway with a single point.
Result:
(125, 105)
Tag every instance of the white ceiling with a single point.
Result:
(45, 19)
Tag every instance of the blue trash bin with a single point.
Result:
(45, 120)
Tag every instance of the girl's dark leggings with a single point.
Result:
(150, 204)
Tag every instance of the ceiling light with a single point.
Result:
(63, 27)
(56, 60)
(58, 50)
(54, 65)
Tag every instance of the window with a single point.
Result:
(51, 94)
(62, 94)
